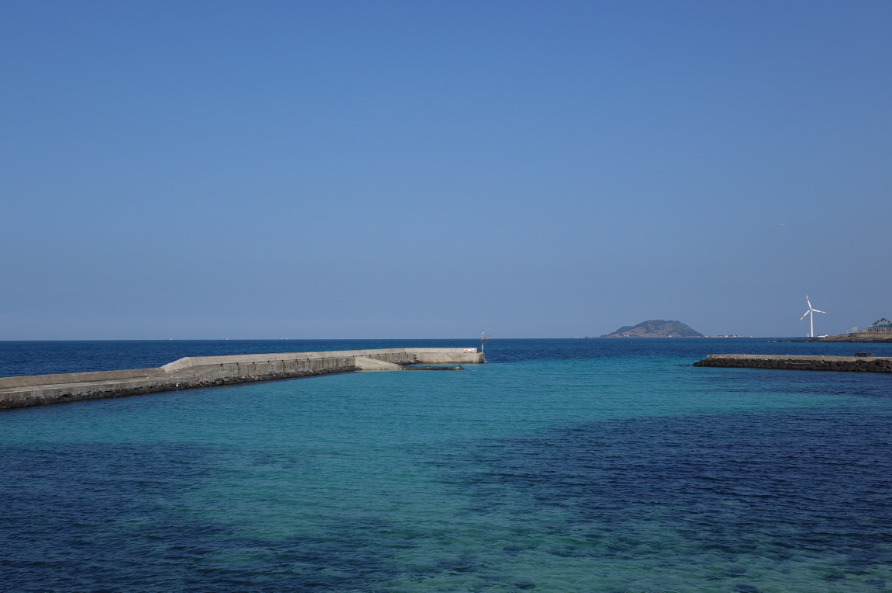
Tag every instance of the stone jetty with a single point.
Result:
(208, 371)
(869, 364)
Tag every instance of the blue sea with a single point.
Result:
(560, 465)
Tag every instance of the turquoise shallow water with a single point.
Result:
(585, 465)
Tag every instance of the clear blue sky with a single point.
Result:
(423, 169)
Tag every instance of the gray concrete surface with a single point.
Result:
(395, 355)
(364, 363)
(189, 373)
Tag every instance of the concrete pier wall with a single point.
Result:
(394, 355)
(867, 364)
(189, 373)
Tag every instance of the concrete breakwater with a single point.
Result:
(869, 364)
(207, 371)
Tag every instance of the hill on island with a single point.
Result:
(656, 328)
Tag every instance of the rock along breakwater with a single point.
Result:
(208, 371)
(868, 364)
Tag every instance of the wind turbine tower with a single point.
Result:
(811, 313)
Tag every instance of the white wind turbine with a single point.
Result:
(811, 312)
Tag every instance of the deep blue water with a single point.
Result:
(39, 358)
(561, 465)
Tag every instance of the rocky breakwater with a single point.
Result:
(868, 364)
(193, 372)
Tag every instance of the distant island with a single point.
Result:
(656, 328)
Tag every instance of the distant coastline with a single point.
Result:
(862, 337)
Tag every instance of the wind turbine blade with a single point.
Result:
(804, 316)
(818, 311)
(808, 301)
